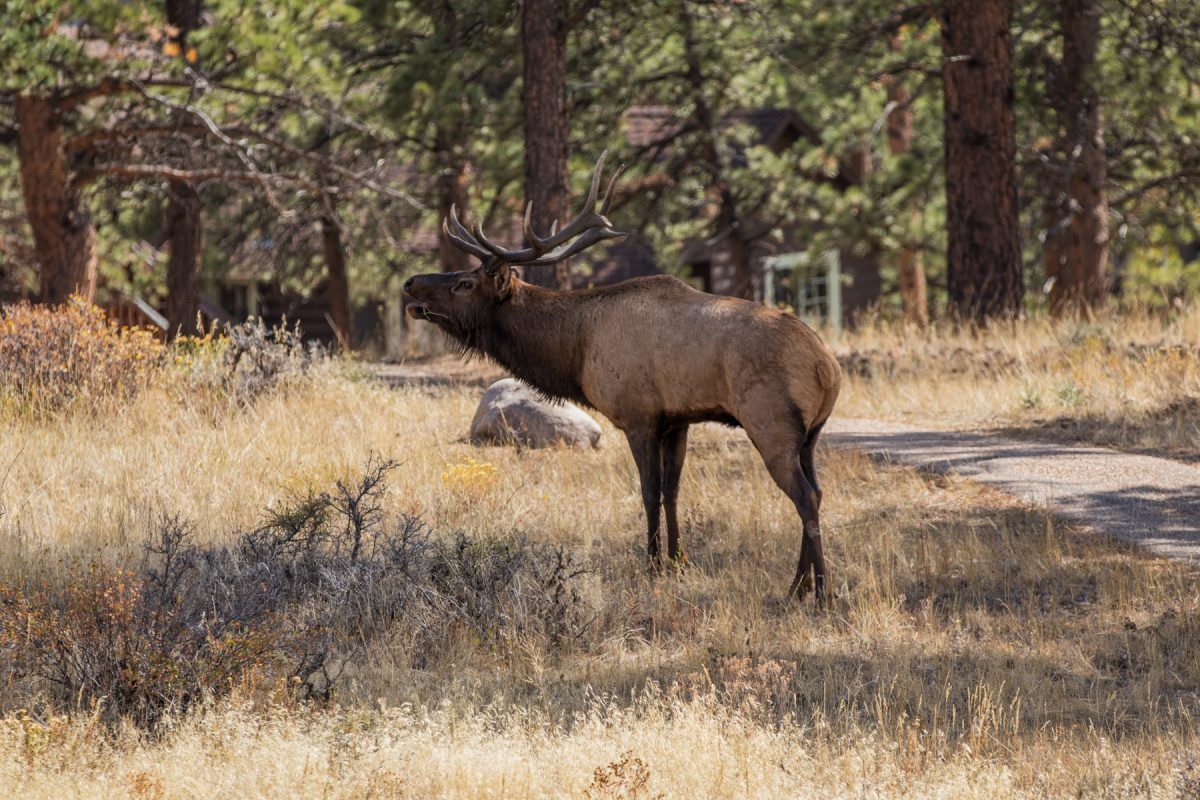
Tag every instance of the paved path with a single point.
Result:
(1150, 501)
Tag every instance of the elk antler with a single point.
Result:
(588, 228)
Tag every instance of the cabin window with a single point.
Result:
(808, 284)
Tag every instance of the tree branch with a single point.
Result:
(86, 140)
(1157, 183)
(192, 176)
(114, 85)
(573, 21)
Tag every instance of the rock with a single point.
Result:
(512, 413)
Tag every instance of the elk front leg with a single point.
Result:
(674, 450)
(647, 454)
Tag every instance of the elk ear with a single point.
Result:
(502, 281)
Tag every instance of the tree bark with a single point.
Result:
(185, 241)
(983, 258)
(182, 217)
(63, 234)
(339, 284)
(1082, 254)
(910, 264)
(544, 43)
(452, 190)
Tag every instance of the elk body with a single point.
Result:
(654, 356)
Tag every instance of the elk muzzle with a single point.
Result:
(422, 293)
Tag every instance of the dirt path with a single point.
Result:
(1150, 501)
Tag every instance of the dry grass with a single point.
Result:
(976, 647)
(1130, 382)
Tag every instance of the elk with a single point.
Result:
(654, 356)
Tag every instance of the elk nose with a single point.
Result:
(408, 284)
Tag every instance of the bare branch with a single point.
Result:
(87, 140)
(242, 154)
(137, 171)
(111, 85)
(1157, 183)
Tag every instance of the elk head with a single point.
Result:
(464, 302)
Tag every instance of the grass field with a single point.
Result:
(975, 648)
(1130, 382)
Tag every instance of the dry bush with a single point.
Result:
(297, 599)
(244, 362)
(627, 778)
(258, 359)
(55, 357)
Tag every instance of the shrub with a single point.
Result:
(291, 603)
(243, 362)
(59, 356)
(258, 359)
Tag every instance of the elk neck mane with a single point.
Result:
(538, 336)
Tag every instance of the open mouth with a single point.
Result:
(418, 311)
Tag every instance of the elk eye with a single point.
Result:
(464, 286)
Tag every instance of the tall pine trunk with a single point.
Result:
(183, 265)
(339, 282)
(544, 43)
(910, 265)
(452, 190)
(182, 217)
(184, 236)
(983, 255)
(64, 237)
(1082, 252)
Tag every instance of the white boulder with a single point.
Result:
(512, 413)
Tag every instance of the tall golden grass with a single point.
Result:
(976, 647)
(1126, 381)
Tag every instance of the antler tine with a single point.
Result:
(511, 256)
(587, 228)
(590, 205)
(460, 236)
(580, 244)
(530, 236)
(608, 193)
(587, 217)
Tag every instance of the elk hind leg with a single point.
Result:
(785, 457)
(811, 544)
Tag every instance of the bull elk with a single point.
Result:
(653, 355)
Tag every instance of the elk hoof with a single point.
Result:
(800, 589)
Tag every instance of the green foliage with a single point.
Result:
(44, 41)
(405, 91)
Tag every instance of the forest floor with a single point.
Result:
(978, 645)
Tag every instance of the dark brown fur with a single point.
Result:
(655, 356)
